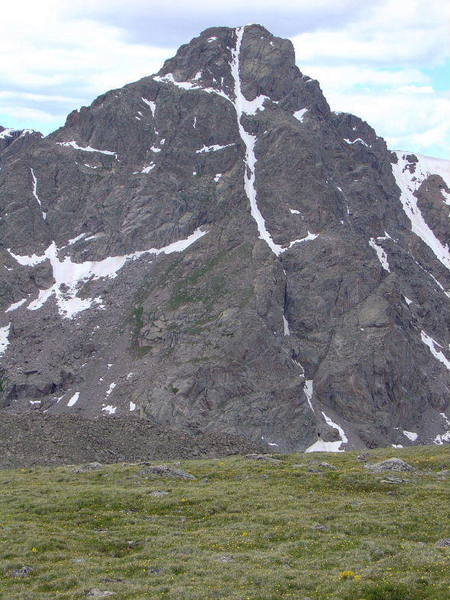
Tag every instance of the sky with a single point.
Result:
(387, 61)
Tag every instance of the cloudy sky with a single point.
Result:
(387, 61)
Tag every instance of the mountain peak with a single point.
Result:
(266, 67)
(214, 247)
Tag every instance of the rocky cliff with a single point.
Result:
(216, 249)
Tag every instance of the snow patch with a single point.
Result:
(15, 305)
(70, 276)
(188, 85)
(110, 389)
(151, 104)
(299, 114)
(446, 419)
(442, 438)
(307, 238)
(110, 410)
(359, 140)
(286, 330)
(132, 406)
(74, 399)
(244, 106)
(76, 239)
(308, 389)
(74, 145)
(7, 133)
(411, 435)
(213, 148)
(4, 341)
(294, 211)
(44, 214)
(432, 344)
(322, 446)
(409, 183)
(28, 261)
(148, 168)
(382, 256)
(217, 177)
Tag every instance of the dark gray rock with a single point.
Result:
(265, 458)
(246, 331)
(391, 464)
(97, 593)
(159, 493)
(93, 466)
(22, 572)
(444, 543)
(166, 471)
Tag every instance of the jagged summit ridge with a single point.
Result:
(214, 247)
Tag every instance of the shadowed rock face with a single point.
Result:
(307, 293)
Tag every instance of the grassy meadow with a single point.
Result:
(242, 530)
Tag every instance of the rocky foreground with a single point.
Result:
(32, 439)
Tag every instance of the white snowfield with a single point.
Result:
(322, 446)
(308, 390)
(286, 330)
(359, 141)
(411, 435)
(4, 341)
(74, 399)
(381, 254)
(73, 144)
(70, 276)
(151, 104)
(213, 148)
(188, 85)
(432, 346)
(110, 389)
(243, 106)
(44, 214)
(307, 238)
(146, 169)
(299, 114)
(410, 183)
(15, 305)
(442, 438)
(76, 239)
(6, 133)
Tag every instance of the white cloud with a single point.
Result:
(408, 120)
(344, 77)
(370, 59)
(377, 67)
(391, 33)
(46, 58)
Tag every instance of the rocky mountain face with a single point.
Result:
(214, 249)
